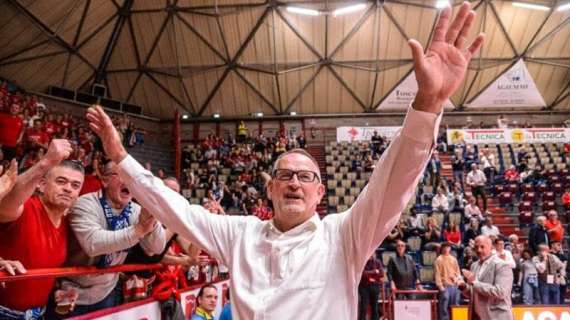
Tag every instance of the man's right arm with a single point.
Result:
(11, 207)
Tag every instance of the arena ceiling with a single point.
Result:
(238, 57)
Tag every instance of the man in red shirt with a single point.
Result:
(33, 229)
(11, 131)
(566, 198)
(554, 227)
(36, 136)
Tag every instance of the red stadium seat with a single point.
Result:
(542, 188)
(548, 196)
(525, 217)
(529, 196)
(525, 206)
(557, 188)
(506, 198)
(548, 205)
(513, 188)
(528, 187)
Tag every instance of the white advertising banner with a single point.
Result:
(515, 135)
(148, 311)
(188, 298)
(514, 88)
(412, 309)
(403, 94)
(364, 133)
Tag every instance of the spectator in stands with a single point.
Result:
(549, 267)
(369, 288)
(106, 224)
(261, 210)
(476, 180)
(415, 223)
(440, 203)
(295, 191)
(556, 249)
(470, 157)
(458, 167)
(301, 141)
(489, 283)
(538, 235)
(434, 170)
(489, 164)
(504, 254)
(566, 199)
(11, 131)
(471, 233)
(206, 302)
(528, 279)
(447, 273)
(472, 210)
(511, 174)
(489, 229)
(554, 227)
(376, 141)
(456, 199)
(431, 236)
(402, 272)
(452, 235)
(516, 248)
(502, 122)
(468, 257)
(42, 218)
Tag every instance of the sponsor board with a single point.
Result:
(523, 313)
(515, 135)
(514, 88)
(364, 133)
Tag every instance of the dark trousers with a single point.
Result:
(479, 191)
(368, 296)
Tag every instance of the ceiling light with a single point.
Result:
(563, 7)
(440, 4)
(349, 9)
(530, 6)
(259, 114)
(216, 115)
(293, 113)
(185, 116)
(305, 11)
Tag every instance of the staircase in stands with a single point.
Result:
(318, 152)
(508, 223)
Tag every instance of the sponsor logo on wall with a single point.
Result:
(514, 88)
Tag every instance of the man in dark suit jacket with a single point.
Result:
(538, 235)
(489, 283)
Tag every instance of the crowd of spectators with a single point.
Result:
(450, 212)
(232, 173)
(27, 126)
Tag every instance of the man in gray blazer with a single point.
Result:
(488, 284)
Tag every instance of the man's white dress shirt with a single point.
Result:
(311, 271)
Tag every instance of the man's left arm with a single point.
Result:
(155, 241)
(501, 287)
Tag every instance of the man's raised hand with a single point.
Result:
(440, 70)
(102, 125)
(58, 150)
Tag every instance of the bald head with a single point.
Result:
(483, 246)
(541, 220)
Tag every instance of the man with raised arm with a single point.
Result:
(34, 230)
(297, 262)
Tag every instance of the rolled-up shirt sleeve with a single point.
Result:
(378, 207)
(213, 233)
